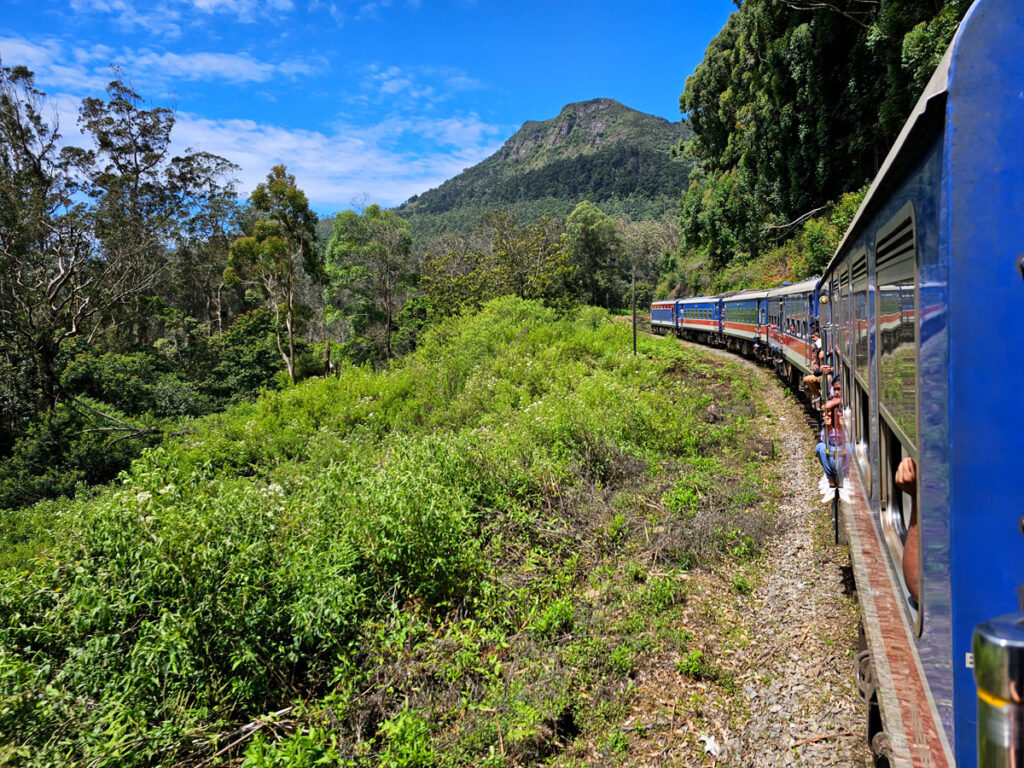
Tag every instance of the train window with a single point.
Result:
(896, 326)
(895, 511)
(845, 313)
(862, 430)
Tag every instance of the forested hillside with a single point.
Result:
(793, 110)
(596, 150)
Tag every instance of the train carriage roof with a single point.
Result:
(804, 286)
(746, 295)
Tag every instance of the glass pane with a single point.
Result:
(860, 305)
(897, 361)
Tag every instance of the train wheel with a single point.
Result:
(877, 738)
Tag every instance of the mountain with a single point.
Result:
(597, 150)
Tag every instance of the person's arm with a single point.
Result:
(906, 480)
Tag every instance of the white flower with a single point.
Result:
(143, 497)
(710, 746)
(275, 488)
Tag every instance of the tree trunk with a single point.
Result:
(46, 358)
(289, 317)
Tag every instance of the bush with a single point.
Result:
(60, 450)
(368, 544)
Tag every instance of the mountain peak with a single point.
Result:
(582, 127)
(598, 149)
(593, 105)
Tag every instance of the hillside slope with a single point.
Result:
(597, 150)
(462, 561)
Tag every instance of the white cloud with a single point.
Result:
(161, 19)
(16, 50)
(230, 67)
(245, 10)
(87, 70)
(387, 162)
(423, 86)
(51, 67)
(167, 17)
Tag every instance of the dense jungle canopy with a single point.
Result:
(794, 106)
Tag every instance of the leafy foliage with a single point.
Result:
(369, 258)
(795, 105)
(366, 564)
(502, 259)
(277, 253)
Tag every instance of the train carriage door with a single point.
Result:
(860, 400)
(896, 340)
(845, 327)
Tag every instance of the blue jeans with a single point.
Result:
(826, 462)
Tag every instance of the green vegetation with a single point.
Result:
(446, 563)
(794, 108)
(272, 258)
(137, 290)
(596, 150)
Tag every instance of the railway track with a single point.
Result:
(793, 638)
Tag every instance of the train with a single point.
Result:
(919, 311)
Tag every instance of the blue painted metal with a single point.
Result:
(983, 231)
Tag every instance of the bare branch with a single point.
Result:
(820, 5)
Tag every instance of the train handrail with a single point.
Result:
(998, 651)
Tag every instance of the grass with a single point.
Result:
(462, 561)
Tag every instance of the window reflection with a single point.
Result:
(897, 365)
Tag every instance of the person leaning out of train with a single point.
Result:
(834, 405)
(829, 445)
(906, 481)
(813, 380)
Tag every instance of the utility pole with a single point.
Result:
(634, 306)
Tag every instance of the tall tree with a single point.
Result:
(795, 104)
(502, 258)
(370, 254)
(85, 231)
(595, 247)
(277, 253)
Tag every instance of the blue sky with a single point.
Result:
(365, 101)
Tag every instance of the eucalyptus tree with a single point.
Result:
(370, 257)
(277, 254)
(84, 231)
(596, 250)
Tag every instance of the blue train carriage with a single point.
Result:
(743, 320)
(936, 247)
(699, 318)
(663, 317)
(792, 316)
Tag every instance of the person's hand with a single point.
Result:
(906, 476)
